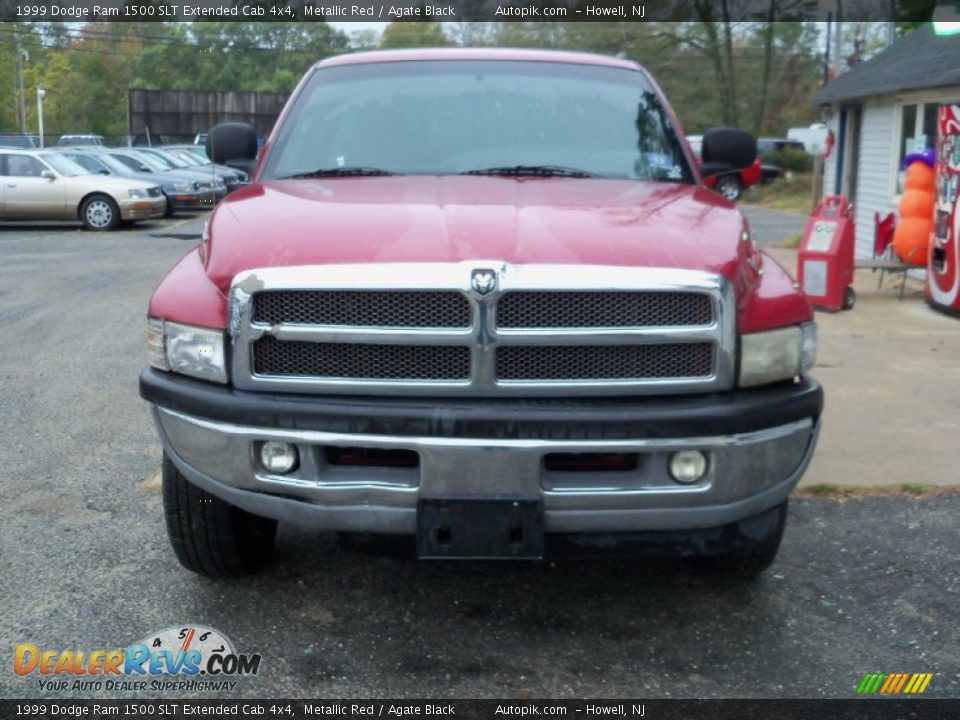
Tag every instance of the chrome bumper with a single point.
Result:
(748, 474)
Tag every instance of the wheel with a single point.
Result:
(730, 187)
(755, 547)
(99, 212)
(210, 536)
(168, 209)
(849, 298)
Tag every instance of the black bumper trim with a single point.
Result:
(588, 419)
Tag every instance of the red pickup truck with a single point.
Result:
(483, 299)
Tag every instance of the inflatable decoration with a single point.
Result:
(912, 235)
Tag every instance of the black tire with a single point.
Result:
(99, 213)
(849, 298)
(209, 536)
(730, 187)
(747, 558)
(168, 209)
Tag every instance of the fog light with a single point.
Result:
(278, 457)
(688, 466)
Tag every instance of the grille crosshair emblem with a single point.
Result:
(483, 281)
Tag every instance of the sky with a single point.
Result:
(351, 27)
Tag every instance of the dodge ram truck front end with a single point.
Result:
(483, 360)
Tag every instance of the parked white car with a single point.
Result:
(45, 185)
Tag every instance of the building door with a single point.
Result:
(850, 158)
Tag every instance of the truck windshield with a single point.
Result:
(464, 116)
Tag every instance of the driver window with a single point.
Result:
(24, 166)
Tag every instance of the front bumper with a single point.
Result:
(142, 209)
(758, 443)
(195, 201)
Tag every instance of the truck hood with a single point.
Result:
(455, 218)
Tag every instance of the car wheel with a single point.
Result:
(730, 187)
(754, 548)
(168, 209)
(99, 212)
(209, 536)
(849, 298)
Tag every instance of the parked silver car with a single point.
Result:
(45, 185)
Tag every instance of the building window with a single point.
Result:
(918, 130)
(908, 129)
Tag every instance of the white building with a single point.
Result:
(879, 112)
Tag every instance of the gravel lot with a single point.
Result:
(870, 585)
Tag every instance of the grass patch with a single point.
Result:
(791, 241)
(793, 194)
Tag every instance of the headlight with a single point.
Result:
(182, 187)
(137, 194)
(767, 357)
(186, 349)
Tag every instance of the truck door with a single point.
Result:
(27, 194)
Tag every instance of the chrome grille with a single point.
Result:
(579, 309)
(360, 362)
(363, 308)
(434, 329)
(605, 362)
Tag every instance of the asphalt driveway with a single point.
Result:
(867, 585)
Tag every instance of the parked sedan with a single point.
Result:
(205, 195)
(233, 177)
(45, 185)
(180, 194)
(228, 177)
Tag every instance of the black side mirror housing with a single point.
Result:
(727, 149)
(234, 145)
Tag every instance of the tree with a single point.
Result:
(403, 34)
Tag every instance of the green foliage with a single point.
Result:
(789, 159)
(413, 35)
(87, 70)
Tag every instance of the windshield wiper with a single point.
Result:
(532, 171)
(339, 172)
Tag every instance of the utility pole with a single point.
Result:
(41, 93)
(22, 58)
(838, 39)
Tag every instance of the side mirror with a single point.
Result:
(234, 145)
(48, 175)
(727, 149)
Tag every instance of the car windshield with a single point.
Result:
(186, 158)
(92, 164)
(451, 117)
(64, 165)
(157, 160)
(151, 162)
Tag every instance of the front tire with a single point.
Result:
(99, 212)
(753, 550)
(209, 536)
(730, 187)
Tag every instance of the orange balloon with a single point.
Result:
(910, 239)
(916, 204)
(920, 176)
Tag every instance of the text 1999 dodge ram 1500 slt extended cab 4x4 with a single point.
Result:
(481, 298)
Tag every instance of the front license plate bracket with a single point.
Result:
(480, 529)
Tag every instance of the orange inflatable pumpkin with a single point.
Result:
(912, 234)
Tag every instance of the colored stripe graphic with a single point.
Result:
(894, 683)
(870, 683)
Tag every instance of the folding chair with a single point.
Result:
(883, 245)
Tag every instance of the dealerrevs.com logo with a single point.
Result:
(180, 658)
